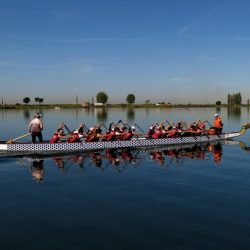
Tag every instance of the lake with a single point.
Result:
(154, 198)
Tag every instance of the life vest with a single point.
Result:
(92, 138)
(173, 133)
(55, 138)
(74, 138)
(218, 123)
(127, 136)
(157, 134)
(111, 136)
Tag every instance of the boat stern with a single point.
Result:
(3, 147)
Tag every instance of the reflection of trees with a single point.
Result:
(26, 114)
(130, 114)
(217, 110)
(234, 113)
(101, 115)
(77, 114)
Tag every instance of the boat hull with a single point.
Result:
(45, 148)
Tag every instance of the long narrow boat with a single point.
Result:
(48, 148)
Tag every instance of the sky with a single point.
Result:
(181, 51)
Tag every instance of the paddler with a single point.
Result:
(77, 134)
(59, 134)
(130, 133)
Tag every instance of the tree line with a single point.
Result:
(27, 100)
(102, 97)
(234, 99)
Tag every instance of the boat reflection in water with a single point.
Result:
(199, 152)
(120, 159)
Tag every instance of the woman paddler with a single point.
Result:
(77, 134)
(129, 134)
(57, 136)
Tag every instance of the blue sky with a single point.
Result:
(182, 51)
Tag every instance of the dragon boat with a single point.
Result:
(65, 147)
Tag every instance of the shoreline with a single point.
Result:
(59, 106)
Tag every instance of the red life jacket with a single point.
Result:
(111, 136)
(157, 134)
(74, 138)
(127, 136)
(55, 138)
(92, 138)
(173, 133)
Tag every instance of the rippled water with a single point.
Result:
(156, 198)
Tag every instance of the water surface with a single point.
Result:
(190, 198)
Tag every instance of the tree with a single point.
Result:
(234, 99)
(218, 103)
(147, 101)
(102, 97)
(26, 100)
(40, 100)
(130, 98)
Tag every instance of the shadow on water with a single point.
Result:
(121, 159)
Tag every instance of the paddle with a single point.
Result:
(86, 129)
(139, 127)
(110, 127)
(65, 126)
(15, 139)
(209, 123)
(104, 126)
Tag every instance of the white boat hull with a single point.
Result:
(42, 148)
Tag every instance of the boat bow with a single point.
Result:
(244, 128)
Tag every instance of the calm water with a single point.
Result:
(190, 198)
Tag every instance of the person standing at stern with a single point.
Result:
(218, 124)
(36, 127)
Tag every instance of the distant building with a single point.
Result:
(99, 104)
(86, 105)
